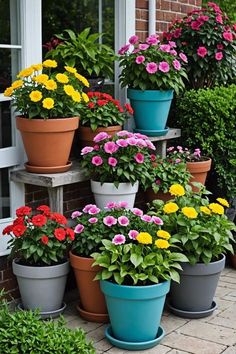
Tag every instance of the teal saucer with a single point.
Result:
(134, 345)
(152, 132)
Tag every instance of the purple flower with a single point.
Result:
(146, 218)
(118, 239)
(177, 161)
(132, 141)
(124, 49)
(122, 133)
(109, 220)
(94, 210)
(93, 220)
(157, 220)
(197, 153)
(88, 207)
(152, 40)
(140, 59)
(164, 67)
(133, 234)
(165, 48)
(97, 160)
(122, 142)
(183, 57)
(176, 64)
(139, 158)
(123, 204)
(79, 228)
(110, 147)
(75, 214)
(123, 220)
(101, 136)
(143, 46)
(151, 68)
(133, 40)
(86, 150)
(111, 205)
(137, 211)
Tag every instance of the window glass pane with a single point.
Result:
(8, 35)
(5, 125)
(4, 194)
(9, 59)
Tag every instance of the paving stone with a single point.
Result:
(227, 285)
(158, 349)
(171, 323)
(226, 271)
(210, 332)
(229, 312)
(229, 278)
(175, 351)
(221, 291)
(225, 322)
(102, 345)
(230, 350)
(191, 344)
(97, 334)
(87, 326)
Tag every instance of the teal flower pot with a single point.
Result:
(135, 311)
(151, 109)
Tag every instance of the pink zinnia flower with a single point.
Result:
(220, 46)
(146, 218)
(94, 210)
(87, 207)
(152, 40)
(123, 220)
(164, 67)
(137, 211)
(132, 141)
(141, 143)
(109, 220)
(122, 133)
(219, 19)
(143, 46)
(86, 150)
(150, 145)
(172, 44)
(93, 220)
(151, 68)
(112, 161)
(195, 25)
(177, 33)
(203, 18)
(133, 39)
(139, 157)
(219, 55)
(79, 228)
(140, 136)
(165, 48)
(111, 205)
(124, 49)
(76, 214)
(97, 160)
(183, 57)
(228, 36)
(122, 142)
(118, 239)
(173, 52)
(202, 52)
(96, 147)
(101, 136)
(140, 59)
(157, 220)
(110, 147)
(171, 148)
(123, 204)
(176, 64)
(133, 234)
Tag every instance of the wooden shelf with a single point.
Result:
(171, 134)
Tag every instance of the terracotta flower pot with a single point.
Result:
(199, 171)
(92, 302)
(47, 142)
(86, 134)
(151, 195)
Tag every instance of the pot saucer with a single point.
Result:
(93, 317)
(46, 314)
(152, 132)
(47, 169)
(134, 345)
(192, 314)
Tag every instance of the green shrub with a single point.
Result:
(207, 118)
(22, 332)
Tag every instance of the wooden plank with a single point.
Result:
(172, 134)
(56, 199)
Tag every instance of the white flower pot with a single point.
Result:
(107, 192)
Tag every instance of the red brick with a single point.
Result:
(6, 274)
(169, 16)
(144, 15)
(165, 5)
(160, 16)
(142, 35)
(175, 7)
(198, 3)
(138, 14)
(141, 4)
(141, 25)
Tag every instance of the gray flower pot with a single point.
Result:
(41, 287)
(196, 290)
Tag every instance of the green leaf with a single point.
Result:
(136, 259)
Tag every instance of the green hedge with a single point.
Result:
(207, 118)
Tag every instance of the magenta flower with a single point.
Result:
(158, 182)
(110, 147)
(123, 204)
(141, 136)
(132, 141)
(219, 55)
(133, 234)
(172, 44)
(97, 160)
(86, 150)
(101, 136)
(143, 46)
(219, 19)
(157, 220)
(124, 49)
(111, 205)
(176, 64)
(123, 220)
(202, 52)
(133, 40)
(164, 67)
(137, 211)
(112, 161)
(146, 218)
(122, 133)
(88, 207)
(177, 32)
(94, 210)
(173, 52)
(139, 157)
(140, 59)
(141, 143)
(195, 25)
(109, 220)
(151, 68)
(220, 46)
(150, 145)
(152, 40)
(165, 48)
(183, 57)
(118, 239)
(197, 152)
(93, 220)
(96, 147)
(79, 228)
(76, 214)
(122, 142)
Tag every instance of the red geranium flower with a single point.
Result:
(39, 220)
(18, 230)
(90, 105)
(129, 108)
(70, 233)
(45, 209)
(44, 239)
(59, 218)
(7, 230)
(24, 210)
(102, 102)
(19, 220)
(60, 234)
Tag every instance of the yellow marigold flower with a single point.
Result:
(223, 202)
(37, 67)
(69, 90)
(48, 103)
(144, 238)
(16, 84)
(70, 69)
(85, 97)
(177, 190)
(51, 85)
(8, 92)
(190, 212)
(62, 78)
(41, 79)
(163, 234)
(216, 208)
(162, 243)
(35, 96)
(50, 63)
(205, 210)
(76, 96)
(26, 72)
(82, 79)
(170, 208)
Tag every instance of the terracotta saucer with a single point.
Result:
(48, 169)
(93, 317)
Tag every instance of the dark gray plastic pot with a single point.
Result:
(196, 290)
(41, 287)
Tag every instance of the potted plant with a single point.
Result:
(204, 234)
(101, 113)
(152, 71)
(116, 166)
(137, 264)
(197, 165)
(211, 58)
(92, 59)
(166, 172)
(48, 104)
(39, 247)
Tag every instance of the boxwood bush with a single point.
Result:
(207, 118)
